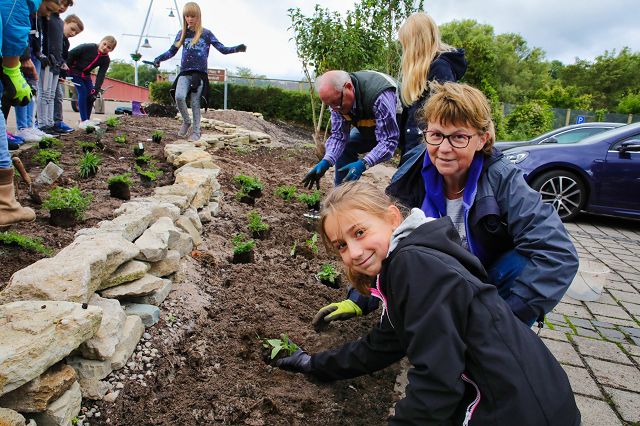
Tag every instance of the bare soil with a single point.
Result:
(212, 369)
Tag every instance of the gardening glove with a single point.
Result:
(17, 84)
(314, 175)
(344, 310)
(355, 170)
(298, 362)
(93, 94)
(242, 48)
(44, 60)
(156, 63)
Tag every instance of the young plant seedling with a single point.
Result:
(13, 238)
(250, 185)
(157, 135)
(112, 122)
(329, 276)
(120, 139)
(150, 174)
(143, 159)
(312, 243)
(89, 129)
(277, 346)
(138, 150)
(49, 142)
(286, 192)
(242, 249)
(66, 205)
(258, 228)
(87, 146)
(311, 200)
(89, 165)
(45, 156)
(119, 186)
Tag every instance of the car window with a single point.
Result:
(576, 135)
(616, 146)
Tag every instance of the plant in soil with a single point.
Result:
(250, 185)
(120, 139)
(258, 228)
(138, 150)
(308, 250)
(66, 205)
(143, 159)
(49, 142)
(312, 243)
(112, 122)
(282, 346)
(87, 146)
(311, 200)
(329, 276)
(286, 192)
(89, 129)
(150, 174)
(45, 156)
(157, 135)
(13, 238)
(119, 186)
(242, 249)
(89, 164)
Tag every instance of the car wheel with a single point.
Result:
(563, 190)
(74, 106)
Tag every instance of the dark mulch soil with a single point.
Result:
(212, 369)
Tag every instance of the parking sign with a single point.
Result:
(580, 119)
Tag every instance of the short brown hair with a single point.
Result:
(111, 40)
(67, 3)
(460, 104)
(359, 196)
(73, 19)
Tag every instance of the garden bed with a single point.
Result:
(211, 368)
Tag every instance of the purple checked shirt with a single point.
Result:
(386, 131)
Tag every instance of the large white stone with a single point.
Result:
(156, 298)
(184, 245)
(158, 209)
(179, 201)
(190, 157)
(103, 344)
(74, 274)
(172, 151)
(63, 410)
(192, 214)
(130, 225)
(167, 266)
(34, 335)
(131, 334)
(176, 189)
(145, 285)
(202, 164)
(186, 225)
(127, 272)
(154, 243)
(202, 180)
(11, 418)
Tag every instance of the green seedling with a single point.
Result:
(112, 122)
(248, 183)
(279, 345)
(87, 146)
(240, 245)
(89, 164)
(171, 318)
(150, 173)
(49, 142)
(312, 243)
(44, 156)
(157, 135)
(68, 198)
(143, 159)
(328, 273)
(13, 238)
(123, 178)
(311, 200)
(89, 129)
(286, 192)
(255, 222)
(120, 139)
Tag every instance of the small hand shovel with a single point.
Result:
(35, 197)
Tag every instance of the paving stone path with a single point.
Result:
(598, 343)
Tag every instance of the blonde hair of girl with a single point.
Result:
(420, 39)
(354, 195)
(191, 9)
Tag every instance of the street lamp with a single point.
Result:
(146, 44)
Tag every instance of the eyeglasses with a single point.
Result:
(456, 140)
(339, 106)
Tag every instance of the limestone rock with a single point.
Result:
(74, 274)
(179, 201)
(103, 344)
(176, 189)
(202, 180)
(34, 335)
(155, 298)
(145, 285)
(148, 314)
(201, 164)
(11, 418)
(90, 369)
(127, 272)
(186, 225)
(131, 335)
(192, 215)
(158, 209)
(184, 245)
(167, 266)
(63, 410)
(154, 243)
(173, 151)
(191, 156)
(130, 225)
(34, 396)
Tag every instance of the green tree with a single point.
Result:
(630, 104)
(559, 96)
(125, 71)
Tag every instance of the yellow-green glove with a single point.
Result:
(336, 311)
(20, 86)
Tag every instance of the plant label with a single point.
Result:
(49, 174)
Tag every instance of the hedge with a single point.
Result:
(272, 102)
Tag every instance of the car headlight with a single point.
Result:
(517, 157)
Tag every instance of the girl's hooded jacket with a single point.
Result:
(471, 357)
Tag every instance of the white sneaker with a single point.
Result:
(96, 120)
(39, 132)
(28, 135)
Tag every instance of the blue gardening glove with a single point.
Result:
(298, 362)
(18, 84)
(355, 170)
(336, 311)
(314, 175)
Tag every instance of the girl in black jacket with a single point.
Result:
(473, 362)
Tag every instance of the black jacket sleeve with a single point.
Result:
(102, 72)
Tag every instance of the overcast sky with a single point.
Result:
(564, 29)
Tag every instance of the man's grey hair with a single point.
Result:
(335, 79)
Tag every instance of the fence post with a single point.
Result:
(567, 117)
(224, 106)
(629, 118)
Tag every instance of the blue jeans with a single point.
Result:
(83, 86)
(5, 155)
(504, 271)
(354, 146)
(183, 90)
(24, 114)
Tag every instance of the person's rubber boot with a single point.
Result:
(10, 210)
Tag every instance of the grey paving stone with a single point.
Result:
(600, 349)
(564, 352)
(603, 324)
(596, 413)
(636, 340)
(581, 381)
(582, 323)
(632, 308)
(632, 349)
(632, 331)
(563, 329)
(612, 334)
(570, 300)
(620, 285)
(587, 333)
(617, 321)
(625, 296)
(571, 310)
(627, 403)
(608, 311)
(615, 375)
(547, 333)
(555, 318)
(605, 299)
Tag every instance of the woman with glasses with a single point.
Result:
(520, 240)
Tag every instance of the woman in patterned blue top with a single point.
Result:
(192, 79)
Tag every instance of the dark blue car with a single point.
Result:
(600, 174)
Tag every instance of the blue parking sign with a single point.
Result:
(580, 119)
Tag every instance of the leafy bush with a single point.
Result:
(124, 178)
(310, 199)
(112, 122)
(63, 198)
(328, 273)
(248, 183)
(240, 245)
(529, 120)
(278, 345)
(12, 238)
(43, 156)
(255, 222)
(286, 192)
(89, 164)
(120, 139)
(630, 104)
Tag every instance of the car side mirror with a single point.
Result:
(550, 140)
(630, 146)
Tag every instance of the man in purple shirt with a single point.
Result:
(363, 121)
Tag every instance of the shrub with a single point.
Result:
(124, 178)
(630, 104)
(12, 238)
(286, 192)
(43, 156)
(112, 122)
(240, 245)
(529, 119)
(63, 198)
(89, 164)
(120, 139)
(255, 222)
(248, 183)
(312, 199)
(157, 135)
